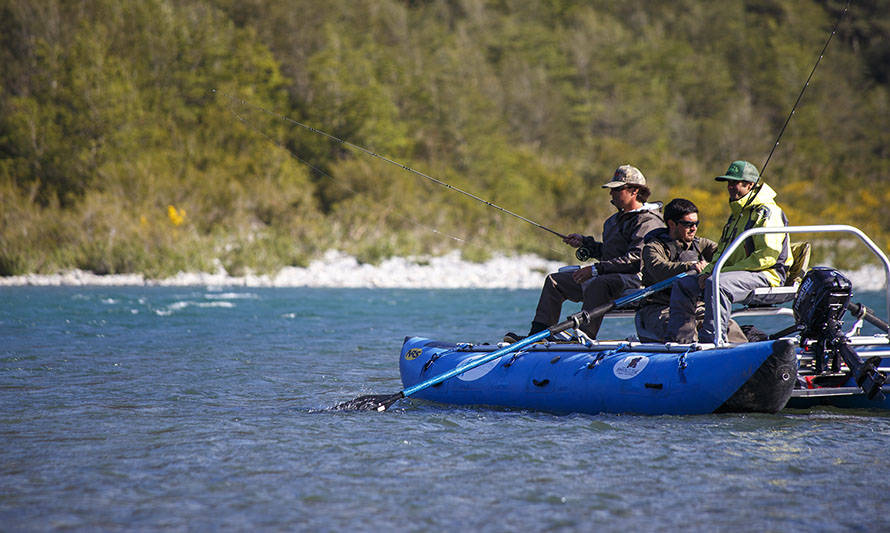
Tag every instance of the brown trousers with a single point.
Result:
(559, 287)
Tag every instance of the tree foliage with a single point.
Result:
(111, 113)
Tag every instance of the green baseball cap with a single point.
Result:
(740, 171)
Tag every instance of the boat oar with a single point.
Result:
(382, 402)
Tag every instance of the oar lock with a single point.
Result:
(606, 353)
(515, 356)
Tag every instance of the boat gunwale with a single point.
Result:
(602, 346)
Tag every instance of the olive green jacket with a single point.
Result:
(664, 257)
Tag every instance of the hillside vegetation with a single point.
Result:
(161, 135)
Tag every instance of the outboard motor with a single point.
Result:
(821, 300)
(819, 308)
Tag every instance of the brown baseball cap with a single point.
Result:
(626, 175)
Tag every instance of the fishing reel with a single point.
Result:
(822, 299)
(590, 249)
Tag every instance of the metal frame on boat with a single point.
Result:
(828, 228)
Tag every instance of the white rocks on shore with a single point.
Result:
(336, 269)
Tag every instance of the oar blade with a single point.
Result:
(370, 402)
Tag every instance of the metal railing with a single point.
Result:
(828, 228)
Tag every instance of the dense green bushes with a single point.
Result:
(111, 113)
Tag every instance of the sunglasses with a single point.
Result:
(687, 223)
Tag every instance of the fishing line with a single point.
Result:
(322, 172)
(759, 184)
(799, 96)
(388, 160)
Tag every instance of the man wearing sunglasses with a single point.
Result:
(670, 251)
(667, 252)
(762, 261)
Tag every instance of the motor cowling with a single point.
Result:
(821, 300)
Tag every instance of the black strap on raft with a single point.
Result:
(461, 346)
(432, 360)
(602, 355)
(514, 357)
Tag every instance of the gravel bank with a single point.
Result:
(336, 269)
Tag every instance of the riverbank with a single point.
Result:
(337, 269)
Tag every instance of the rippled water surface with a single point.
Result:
(205, 409)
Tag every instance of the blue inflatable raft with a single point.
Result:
(650, 379)
(836, 367)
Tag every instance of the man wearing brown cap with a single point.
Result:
(618, 254)
(762, 261)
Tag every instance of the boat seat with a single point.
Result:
(773, 296)
(769, 296)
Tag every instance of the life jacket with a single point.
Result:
(770, 254)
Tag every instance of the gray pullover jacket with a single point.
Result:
(623, 239)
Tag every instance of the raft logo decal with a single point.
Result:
(630, 366)
(412, 354)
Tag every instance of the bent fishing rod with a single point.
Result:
(391, 161)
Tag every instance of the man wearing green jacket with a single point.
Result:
(762, 261)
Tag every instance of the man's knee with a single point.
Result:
(555, 281)
(685, 293)
(605, 286)
(688, 287)
(549, 282)
(615, 282)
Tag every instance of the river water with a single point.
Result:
(196, 408)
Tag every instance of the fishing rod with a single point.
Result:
(391, 161)
(759, 184)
